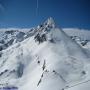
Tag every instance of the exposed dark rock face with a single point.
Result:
(83, 43)
(10, 32)
(3, 72)
(40, 38)
(1, 48)
(0, 54)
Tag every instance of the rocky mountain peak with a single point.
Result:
(50, 22)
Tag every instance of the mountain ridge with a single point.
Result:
(45, 57)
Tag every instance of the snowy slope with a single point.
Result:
(47, 59)
(83, 34)
(11, 36)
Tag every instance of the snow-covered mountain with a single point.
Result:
(45, 58)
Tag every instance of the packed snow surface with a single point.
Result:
(45, 58)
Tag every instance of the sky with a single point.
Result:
(29, 13)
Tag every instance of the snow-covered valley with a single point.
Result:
(45, 58)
